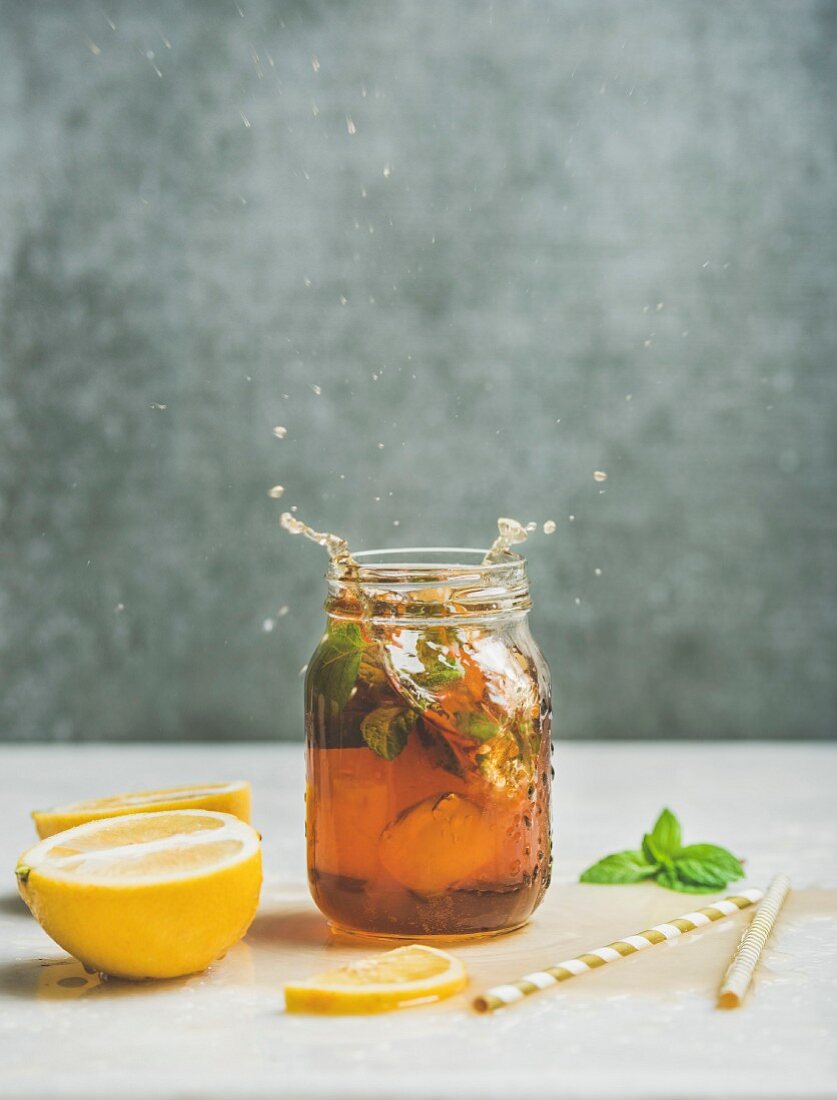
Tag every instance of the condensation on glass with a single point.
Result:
(428, 718)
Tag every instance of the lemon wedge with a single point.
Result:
(148, 895)
(405, 976)
(226, 798)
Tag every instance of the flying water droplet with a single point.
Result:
(549, 527)
(276, 492)
(280, 432)
(599, 475)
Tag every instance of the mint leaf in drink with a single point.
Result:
(438, 667)
(694, 869)
(621, 867)
(386, 729)
(479, 726)
(335, 665)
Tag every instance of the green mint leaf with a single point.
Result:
(333, 671)
(654, 852)
(695, 869)
(666, 834)
(669, 878)
(386, 729)
(620, 868)
(701, 874)
(716, 856)
(438, 668)
(476, 725)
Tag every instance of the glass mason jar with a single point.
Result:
(428, 714)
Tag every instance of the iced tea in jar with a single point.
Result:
(427, 710)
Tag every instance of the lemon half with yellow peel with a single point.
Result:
(226, 798)
(148, 895)
(405, 976)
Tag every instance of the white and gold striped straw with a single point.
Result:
(501, 995)
(745, 960)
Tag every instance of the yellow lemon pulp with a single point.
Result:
(226, 798)
(148, 895)
(407, 975)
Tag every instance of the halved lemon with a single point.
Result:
(405, 976)
(226, 798)
(148, 895)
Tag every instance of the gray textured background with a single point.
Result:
(563, 237)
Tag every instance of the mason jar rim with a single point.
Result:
(370, 558)
(412, 588)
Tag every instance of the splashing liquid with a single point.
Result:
(511, 533)
(337, 548)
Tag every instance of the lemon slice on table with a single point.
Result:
(149, 895)
(226, 798)
(407, 975)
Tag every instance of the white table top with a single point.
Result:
(643, 1027)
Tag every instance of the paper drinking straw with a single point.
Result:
(745, 960)
(501, 995)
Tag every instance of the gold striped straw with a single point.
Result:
(745, 960)
(501, 995)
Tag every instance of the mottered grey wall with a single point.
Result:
(466, 254)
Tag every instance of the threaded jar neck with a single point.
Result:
(422, 584)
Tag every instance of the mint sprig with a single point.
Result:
(335, 665)
(386, 729)
(693, 869)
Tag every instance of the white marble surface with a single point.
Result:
(622, 1032)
